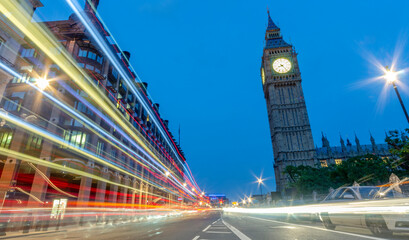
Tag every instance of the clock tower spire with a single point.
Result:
(290, 128)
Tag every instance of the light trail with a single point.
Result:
(48, 44)
(91, 125)
(113, 59)
(393, 206)
(59, 141)
(45, 163)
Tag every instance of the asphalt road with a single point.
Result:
(210, 225)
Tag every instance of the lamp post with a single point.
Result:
(391, 77)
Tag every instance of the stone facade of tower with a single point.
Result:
(290, 129)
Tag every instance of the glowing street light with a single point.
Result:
(391, 77)
(260, 183)
(184, 184)
(167, 174)
(42, 83)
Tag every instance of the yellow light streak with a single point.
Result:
(48, 44)
(56, 166)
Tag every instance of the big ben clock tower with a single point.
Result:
(287, 112)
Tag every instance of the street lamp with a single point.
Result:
(260, 183)
(167, 174)
(391, 77)
(42, 83)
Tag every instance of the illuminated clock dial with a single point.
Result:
(263, 75)
(282, 65)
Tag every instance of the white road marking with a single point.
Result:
(236, 231)
(288, 227)
(216, 221)
(322, 229)
(195, 238)
(204, 230)
(218, 232)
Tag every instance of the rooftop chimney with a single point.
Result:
(126, 56)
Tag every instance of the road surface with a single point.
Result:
(208, 225)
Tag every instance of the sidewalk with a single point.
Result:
(69, 228)
(10, 235)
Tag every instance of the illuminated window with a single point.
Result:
(5, 139)
(34, 142)
(76, 138)
(23, 79)
(338, 161)
(1, 42)
(100, 148)
(324, 163)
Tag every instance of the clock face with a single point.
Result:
(282, 65)
(263, 75)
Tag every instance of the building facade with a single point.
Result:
(290, 128)
(327, 154)
(77, 123)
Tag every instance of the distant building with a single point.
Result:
(217, 200)
(337, 154)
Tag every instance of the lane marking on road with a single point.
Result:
(216, 221)
(318, 228)
(195, 238)
(236, 231)
(218, 232)
(204, 230)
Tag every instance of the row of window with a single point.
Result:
(5, 139)
(89, 67)
(90, 55)
(76, 138)
(29, 52)
(324, 163)
(34, 142)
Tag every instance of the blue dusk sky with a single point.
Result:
(202, 62)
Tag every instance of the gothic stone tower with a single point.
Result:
(287, 113)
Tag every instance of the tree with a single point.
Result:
(306, 179)
(399, 146)
(367, 170)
